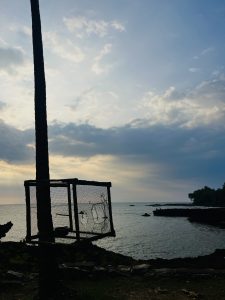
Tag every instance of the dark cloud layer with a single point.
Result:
(180, 152)
(13, 144)
(183, 152)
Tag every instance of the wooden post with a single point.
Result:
(110, 210)
(48, 269)
(44, 217)
(70, 207)
(76, 217)
(28, 216)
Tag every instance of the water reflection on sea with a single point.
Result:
(138, 236)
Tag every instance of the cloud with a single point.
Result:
(193, 70)
(23, 31)
(98, 67)
(207, 50)
(63, 47)
(136, 151)
(178, 136)
(89, 103)
(204, 52)
(11, 58)
(118, 26)
(202, 106)
(2, 105)
(15, 144)
(176, 152)
(82, 26)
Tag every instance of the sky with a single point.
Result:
(135, 95)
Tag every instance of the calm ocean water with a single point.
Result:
(137, 236)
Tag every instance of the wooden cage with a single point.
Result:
(80, 210)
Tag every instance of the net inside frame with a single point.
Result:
(80, 210)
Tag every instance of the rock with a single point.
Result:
(15, 275)
(142, 268)
(73, 272)
(99, 269)
(81, 264)
(190, 294)
(146, 215)
(32, 276)
(161, 291)
(61, 231)
(5, 228)
(125, 269)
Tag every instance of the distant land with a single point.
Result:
(213, 213)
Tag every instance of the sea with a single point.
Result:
(138, 236)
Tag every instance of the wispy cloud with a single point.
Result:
(82, 26)
(118, 26)
(98, 67)
(193, 70)
(204, 52)
(21, 29)
(64, 48)
(90, 102)
(207, 50)
(201, 106)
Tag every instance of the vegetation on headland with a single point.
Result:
(208, 197)
(213, 199)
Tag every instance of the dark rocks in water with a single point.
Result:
(146, 215)
(15, 275)
(208, 216)
(213, 220)
(5, 228)
(61, 231)
(191, 212)
(171, 204)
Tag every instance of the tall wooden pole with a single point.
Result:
(45, 226)
(48, 267)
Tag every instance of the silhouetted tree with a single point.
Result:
(208, 196)
(48, 266)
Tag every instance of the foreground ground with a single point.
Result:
(90, 272)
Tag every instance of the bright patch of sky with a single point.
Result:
(135, 92)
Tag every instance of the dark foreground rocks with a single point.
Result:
(23, 258)
(5, 228)
(90, 272)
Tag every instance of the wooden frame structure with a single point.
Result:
(72, 189)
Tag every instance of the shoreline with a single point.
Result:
(90, 272)
(26, 254)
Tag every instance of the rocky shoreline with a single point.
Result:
(23, 258)
(87, 262)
